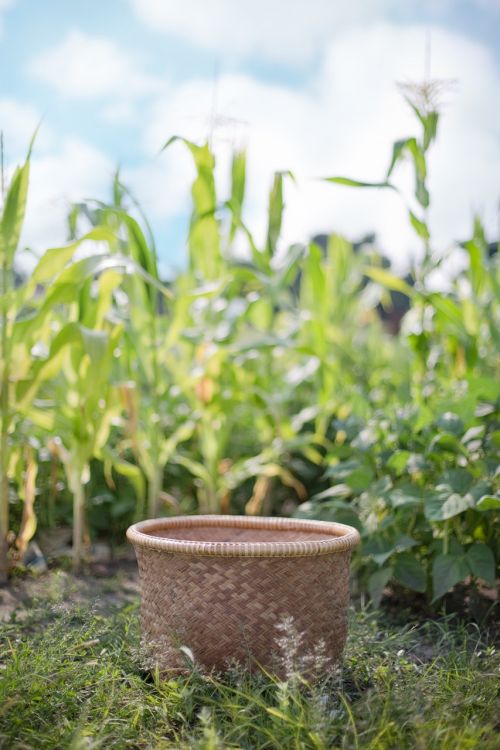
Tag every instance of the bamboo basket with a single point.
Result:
(221, 585)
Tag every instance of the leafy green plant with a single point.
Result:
(26, 320)
(420, 480)
(261, 377)
(75, 676)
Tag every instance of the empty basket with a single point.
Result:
(220, 585)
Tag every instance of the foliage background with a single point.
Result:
(262, 382)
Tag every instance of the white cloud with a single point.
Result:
(82, 66)
(292, 33)
(344, 122)
(162, 184)
(259, 27)
(71, 173)
(18, 122)
(63, 171)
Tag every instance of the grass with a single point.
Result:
(71, 677)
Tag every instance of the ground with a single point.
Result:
(72, 676)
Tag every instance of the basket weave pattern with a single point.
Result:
(221, 584)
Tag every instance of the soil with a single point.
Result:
(105, 586)
(110, 584)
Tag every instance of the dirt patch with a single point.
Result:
(102, 586)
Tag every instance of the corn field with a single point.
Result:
(263, 381)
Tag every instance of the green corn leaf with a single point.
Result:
(53, 261)
(388, 280)
(419, 226)
(204, 233)
(477, 267)
(421, 192)
(196, 468)
(418, 157)
(430, 123)
(79, 271)
(290, 266)
(398, 151)
(128, 470)
(95, 344)
(183, 433)
(14, 209)
(448, 310)
(13, 213)
(358, 183)
(43, 418)
(275, 212)
(238, 177)
(141, 252)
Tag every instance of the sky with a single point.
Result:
(303, 85)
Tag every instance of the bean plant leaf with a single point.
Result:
(488, 502)
(447, 570)
(481, 561)
(450, 422)
(377, 583)
(443, 503)
(409, 572)
(338, 490)
(398, 461)
(406, 496)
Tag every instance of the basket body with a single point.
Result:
(221, 585)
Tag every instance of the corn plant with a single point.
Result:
(263, 378)
(421, 479)
(228, 392)
(149, 431)
(27, 317)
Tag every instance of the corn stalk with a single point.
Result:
(14, 204)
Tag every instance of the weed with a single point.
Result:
(74, 678)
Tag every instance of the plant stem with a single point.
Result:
(4, 402)
(4, 447)
(78, 518)
(446, 537)
(154, 488)
(52, 493)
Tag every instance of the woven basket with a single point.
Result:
(221, 585)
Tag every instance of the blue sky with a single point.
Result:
(311, 88)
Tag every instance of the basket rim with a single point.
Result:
(342, 537)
